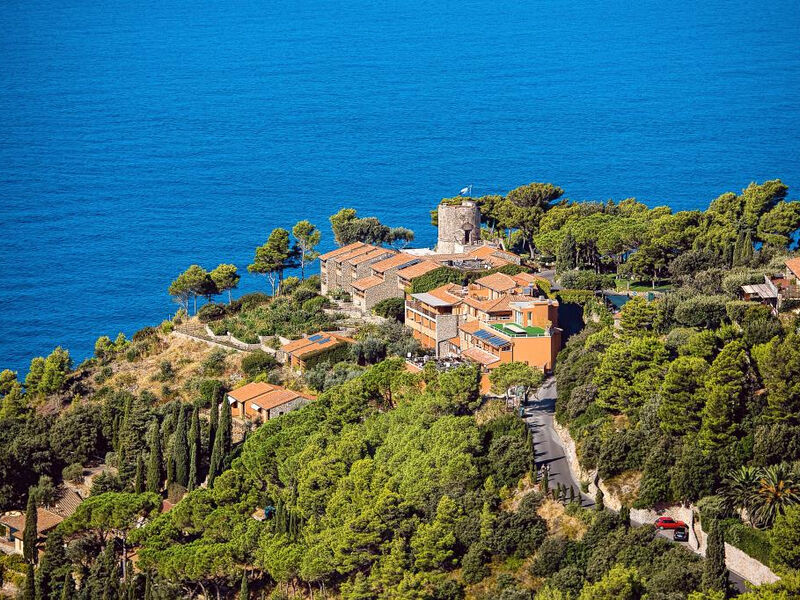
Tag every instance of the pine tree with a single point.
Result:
(738, 249)
(725, 389)
(30, 537)
(154, 472)
(715, 574)
(194, 450)
(244, 592)
(68, 588)
(180, 451)
(565, 257)
(599, 502)
(138, 482)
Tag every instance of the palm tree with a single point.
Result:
(739, 489)
(776, 490)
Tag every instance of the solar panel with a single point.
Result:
(324, 340)
(315, 337)
(482, 334)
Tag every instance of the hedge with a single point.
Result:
(749, 540)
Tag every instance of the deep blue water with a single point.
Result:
(137, 138)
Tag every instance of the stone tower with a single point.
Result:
(459, 227)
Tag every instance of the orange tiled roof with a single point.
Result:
(497, 281)
(525, 278)
(417, 270)
(250, 391)
(277, 397)
(340, 251)
(306, 346)
(470, 326)
(399, 259)
(367, 282)
(45, 521)
(353, 254)
(793, 264)
(480, 356)
(445, 293)
(372, 254)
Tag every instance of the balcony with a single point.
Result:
(420, 308)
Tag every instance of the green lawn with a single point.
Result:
(531, 331)
(643, 286)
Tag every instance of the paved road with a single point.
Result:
(539, 413)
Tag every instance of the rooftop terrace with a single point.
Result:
(514, 330)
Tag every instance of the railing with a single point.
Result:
(419, 307)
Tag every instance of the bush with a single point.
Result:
(474, 568)
(249, 301)
(390, 308)
(315, 303)
(586, 280)
(701, 311)
(218, 327)
(751, 541)
(303, 294)
(73, 473)
(258, 362)
(211, 312)
(549, 557)
(214, 363)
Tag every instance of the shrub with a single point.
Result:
(212, 312)
(166, 371)
(549, 557)
(390, 308)
(752, 541)
(73, 473)
(210, 389)
(218, 327)
(145, 333)
(303, 294)
(214, 363)
(474, 567)
(586, 280)
(315, 303)
(701, 311)
(252, 300)
(258, 362)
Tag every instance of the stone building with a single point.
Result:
(459, 227)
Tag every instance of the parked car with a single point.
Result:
(681, 534)
(668, 523)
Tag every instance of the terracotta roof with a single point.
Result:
(367, 282)
(417, 270)
(45, 521)
(525, 278)
(358, 252)
(276, 397)
(340, 251)
(322, 340)
(497, 281)
(250, 391)
(793, 264)
(470, 326)
(67, 503)
(398, 260)
(480, 356)
(445, 292)
(371, 255)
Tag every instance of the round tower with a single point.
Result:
(459, 227)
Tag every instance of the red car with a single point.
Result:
(668, 523)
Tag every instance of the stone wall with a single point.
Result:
(736, 560)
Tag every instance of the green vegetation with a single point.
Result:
(439, 277)
(348, 228)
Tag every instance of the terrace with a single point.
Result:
(514, 330)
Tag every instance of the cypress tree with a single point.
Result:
(68, 587)
(625, 517)
(599, 502)
(571, 494)
(222, 444)
(138, 482)
(53, 560)
(738, 248)
(194, 450)
(180, 450)
(31, 533)
(715, 575)
(29, 591)
(213, 424)
(747, 249)
(154, 473)
(545, 482)
(244, 592)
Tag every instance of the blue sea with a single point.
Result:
(137, 138)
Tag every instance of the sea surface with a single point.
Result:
(137, 138)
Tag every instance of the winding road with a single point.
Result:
(538, 413)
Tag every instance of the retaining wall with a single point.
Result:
(736, 560)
